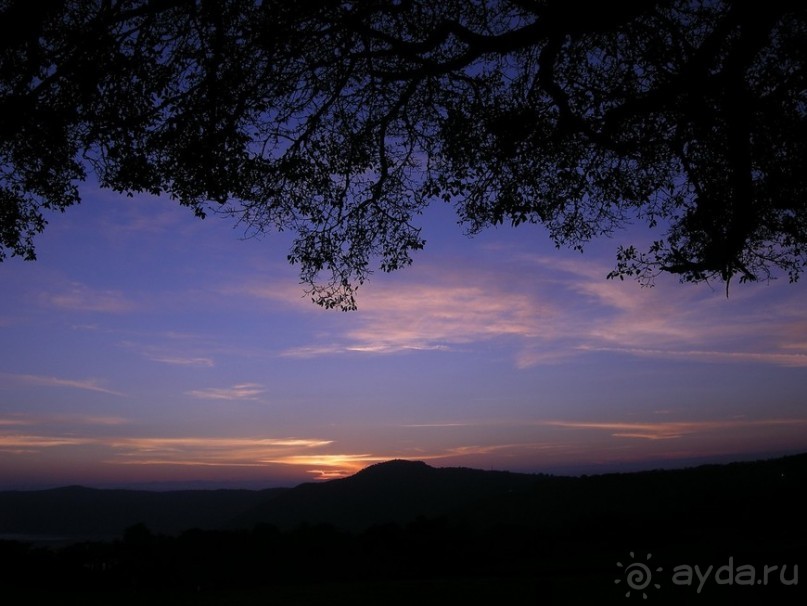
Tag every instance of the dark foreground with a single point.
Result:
(715, 535)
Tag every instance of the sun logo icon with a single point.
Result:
(638, 576)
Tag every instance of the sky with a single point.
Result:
(148, 348)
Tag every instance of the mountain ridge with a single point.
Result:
(394, 491)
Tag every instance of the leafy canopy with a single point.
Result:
(340, 121)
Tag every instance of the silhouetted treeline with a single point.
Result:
(427, 553)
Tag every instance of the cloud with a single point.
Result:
(331, 460)
(239, 452)
(425, 316)
(548, 310)
(205, 450)
(12, 421)
(79, 297)
(330, 466)
(172, 348)
(313, 351)
(64, 419)
(477, 449)
(185, 361)
(441, 316)
(46, 381)
(794, 360)
(183, 450)
(564, 442)
(106, 421)
(444, 425)
(688, 321)
(41, 434)
(242, 391)
(329, 474)
(31, 442)
(667, 430)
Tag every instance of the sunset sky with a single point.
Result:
(146, 347)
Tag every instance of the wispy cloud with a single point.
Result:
(451, 425)
(313, 351)
(79, 297)
(50, 430)
(103, 420)
(779, 358)
(335, 460)
(477, 449)
(637, 429)
(242, 391)
(6, 421)
(431, 317)
(231, 452)
(195, 450)
(47, 381)
(686, 321)
(549, 310)
(182, 361)
(174, 349)
(28, 442)
(329, 474)
(65, 419)
(330, 466)
(667, 430)
(208, 450)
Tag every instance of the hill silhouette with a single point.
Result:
(392, 492)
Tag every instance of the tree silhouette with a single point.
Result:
(340, 121)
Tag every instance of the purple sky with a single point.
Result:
(148, 346)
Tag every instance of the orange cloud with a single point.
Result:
(335, 465)
(329, 460)
(205, 451)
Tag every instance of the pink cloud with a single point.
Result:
(546, 310)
